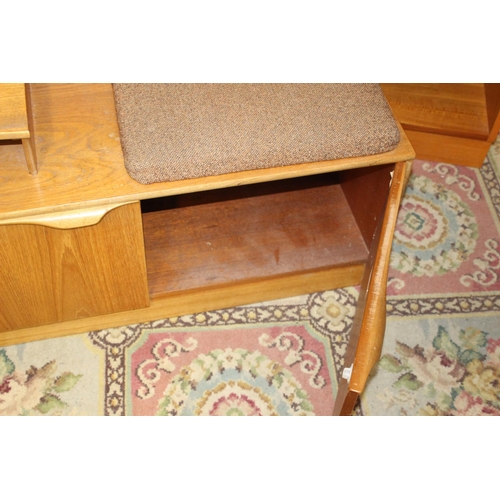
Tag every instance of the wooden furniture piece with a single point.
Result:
(16, 119)
(83, 246)
(448, 122)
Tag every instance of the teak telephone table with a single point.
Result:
(84, 247)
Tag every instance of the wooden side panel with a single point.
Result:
(492, 96)
(448, 149)
(367, 333)
(366, 192)
(52, 275)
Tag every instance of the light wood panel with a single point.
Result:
(197, 301)
(16, 119)
(67, 219)
(51, 275)
(13, 112)
(449, 149)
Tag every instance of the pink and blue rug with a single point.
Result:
(441, 353)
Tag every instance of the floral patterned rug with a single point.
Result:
(441, 353)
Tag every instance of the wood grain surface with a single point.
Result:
(51, 275)
(447, 122)
(367, 333)
(13, 112)
(250, 233)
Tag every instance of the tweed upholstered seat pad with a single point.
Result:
(180, 131)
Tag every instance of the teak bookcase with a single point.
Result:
(83, 246)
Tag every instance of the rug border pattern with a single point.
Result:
(463, 303)
(116, 341)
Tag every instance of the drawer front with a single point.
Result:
(48, 275)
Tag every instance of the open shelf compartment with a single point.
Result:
(258, 233)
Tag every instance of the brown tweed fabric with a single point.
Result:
(181, 131)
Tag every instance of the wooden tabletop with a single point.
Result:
(81, 165)
(13, 115)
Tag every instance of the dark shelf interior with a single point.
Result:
(248, 233)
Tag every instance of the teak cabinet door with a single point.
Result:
(51, 275)
(367, 333)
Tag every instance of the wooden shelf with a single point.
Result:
(16, 120)
(448, 122)
(14, 116)
(260, 233)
